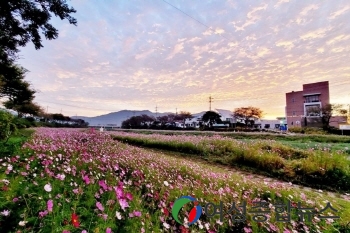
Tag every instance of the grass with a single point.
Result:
(15, 142)
(246, 135)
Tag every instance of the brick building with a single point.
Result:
(303, 107)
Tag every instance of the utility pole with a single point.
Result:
(156, 111)
(47, 113)
(210, 101)
(176, 112)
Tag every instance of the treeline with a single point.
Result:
(173, 121)
(150, 122)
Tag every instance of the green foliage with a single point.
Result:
(211, 118)
(22, 123)
(24, 21)
(14, 142)
(7, 127)
(307, 130)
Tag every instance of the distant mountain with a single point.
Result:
(116, 118)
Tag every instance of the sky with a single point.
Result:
(174, 54)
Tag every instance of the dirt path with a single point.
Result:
(247, 175)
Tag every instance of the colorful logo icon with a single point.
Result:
(194, 214)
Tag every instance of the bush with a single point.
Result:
(307, 130)
(22, 123)
(6, 125)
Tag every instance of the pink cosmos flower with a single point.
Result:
(99, 206)
(129, 196)
(136, 213)
(86, 179)
(103, 184)
(43, 214)
(5, 212)
(119, 192)
(108, 230)
(123, 203)
(49, 205)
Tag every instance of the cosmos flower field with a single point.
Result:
(83, 181)
(316, 167)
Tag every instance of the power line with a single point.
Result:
(208, 27)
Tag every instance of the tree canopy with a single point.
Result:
(23, 21)
(211, 117)
(248, 114)
(329, 110)
(18, 92)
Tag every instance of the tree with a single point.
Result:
(23, 21)
(211, 117)
(183, 116)
(248, 114)
(22, 109)
(328, 111)
(18, 91)
(13, 85)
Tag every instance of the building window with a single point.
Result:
(293, 113)
(277, 126)
(293, 100)
(311, 99)
(313, 110)
(267, 126)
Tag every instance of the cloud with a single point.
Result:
(339, 12)
(319, 33)
(177, 49)
(280, 2)
(153, 53)
(252, 18)
(338, 39)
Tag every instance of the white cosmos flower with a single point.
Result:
(22, 223)
(48, 187)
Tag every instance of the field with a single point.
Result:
(84, 181)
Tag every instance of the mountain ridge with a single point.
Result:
(116, 118)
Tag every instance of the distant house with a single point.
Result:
(270, 124)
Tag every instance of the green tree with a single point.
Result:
(211, 117)
(18, 92)
(22, 109)
(248, 114)
(23, 21)
(328, 112)
(7, 127)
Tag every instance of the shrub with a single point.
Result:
(6, 125)
(22, 123)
